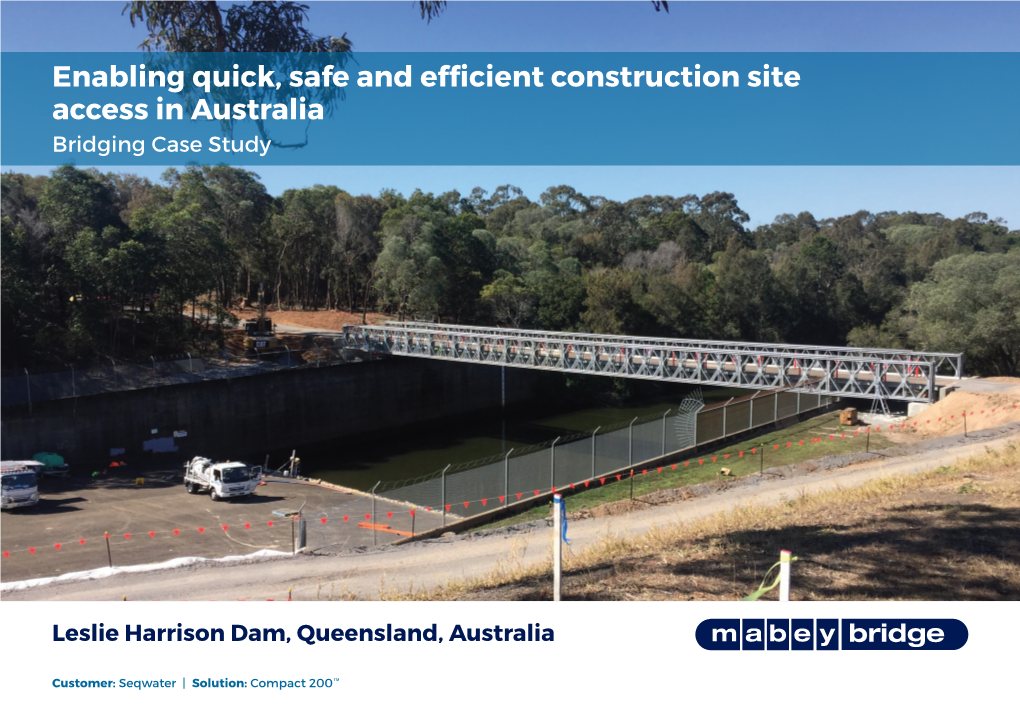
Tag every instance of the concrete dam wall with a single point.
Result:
(249, 415)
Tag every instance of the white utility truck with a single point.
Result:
(220, 480)
(20, 484)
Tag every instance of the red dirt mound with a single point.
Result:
(322, 319)
(945, 418)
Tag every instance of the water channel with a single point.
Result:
(409, 453)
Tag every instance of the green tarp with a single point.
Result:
(50, 460)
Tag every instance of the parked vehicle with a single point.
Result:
(20, 484)
(260, 334)
(51, 464)
(220, 480)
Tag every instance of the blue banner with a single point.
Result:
(511, 109)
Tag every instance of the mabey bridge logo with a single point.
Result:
(831, 634)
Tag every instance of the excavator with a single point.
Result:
(259, 336)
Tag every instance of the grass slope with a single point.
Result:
(795, 443)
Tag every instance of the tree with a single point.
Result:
(18, 294)
(722, 219)
(785, 231)
(971, 304)
(30, 306)
(262, 26)
(502, 207)
(681, 302)
(410, 278)
(565, 202)
(746, 295)
(560, 298)
(86, 254)
(304, 233)
(189, 252)
(205, 27)
(612, 305)
(680, 229)
(80, 209)
(509, 298)
(819, 298)
(238, 202)
(429, 227)
(469, 257)
(356, 245)
(74, 200)
(257, 27)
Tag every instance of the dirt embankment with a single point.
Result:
(946, 418)
(321, 319)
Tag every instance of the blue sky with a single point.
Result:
(625, 26)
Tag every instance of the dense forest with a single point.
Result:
(106, 265)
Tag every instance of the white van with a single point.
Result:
(20, 484)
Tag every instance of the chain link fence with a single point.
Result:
(468, 489)
(69, 381)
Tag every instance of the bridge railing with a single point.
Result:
(948, 364)
(850, 376)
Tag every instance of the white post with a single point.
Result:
(784, 575)
(444, 491)
(506, 478)
(373, 511)
(630, 443)
(552, 464)
(557, 544)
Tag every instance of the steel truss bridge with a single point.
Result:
(875, 374)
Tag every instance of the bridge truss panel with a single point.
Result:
(948, 364)
(849, 376)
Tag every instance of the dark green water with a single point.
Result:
(408, 453)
